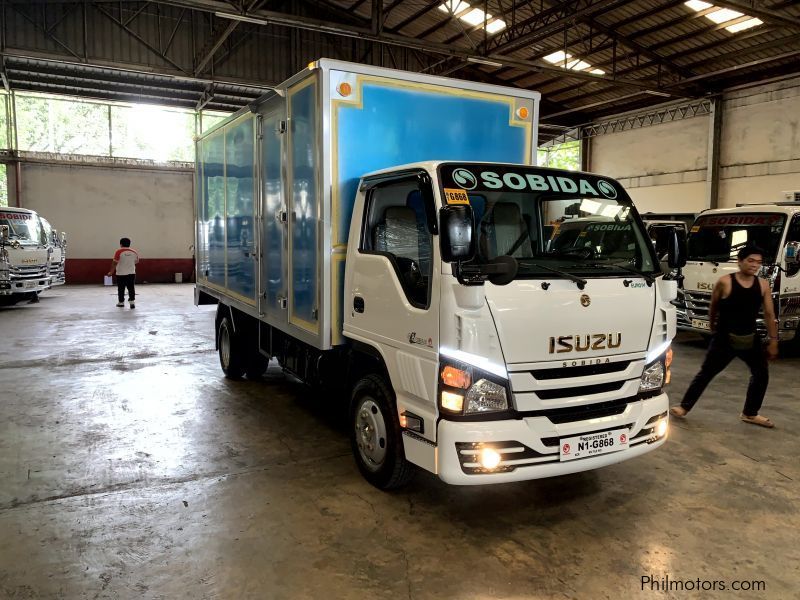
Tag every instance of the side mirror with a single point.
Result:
(676, 248)
(54, 237)
(4, 233)
(63, 238)
(792, 253)
(456, 227)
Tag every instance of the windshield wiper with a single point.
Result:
(579, 281)
(647, 277)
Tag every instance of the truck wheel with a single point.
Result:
(375, 435)
(230, 350)
(256, 366)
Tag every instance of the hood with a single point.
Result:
(537, 325)
(27, 256)
(700, 276)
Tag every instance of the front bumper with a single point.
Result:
(25, 286)
(534, 447)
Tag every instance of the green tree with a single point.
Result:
(562, 156)
(46, 124)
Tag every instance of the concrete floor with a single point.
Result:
(130, 468)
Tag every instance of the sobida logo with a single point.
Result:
(534, 182)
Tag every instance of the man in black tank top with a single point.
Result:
(735, 303)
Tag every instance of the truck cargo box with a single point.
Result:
(276, 181)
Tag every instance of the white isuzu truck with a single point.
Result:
(384, 236)
(714, 241)
(24, 255)
(58, 252)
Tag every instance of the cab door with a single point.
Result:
(392, 286)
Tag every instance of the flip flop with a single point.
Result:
(675, 412)
(758, 420)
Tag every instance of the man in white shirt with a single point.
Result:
(124, 264)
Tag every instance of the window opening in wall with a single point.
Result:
(152, 132)
(5, 123)
(64, 125)
(561, 156)
(47, 124)
(209, 119)
(3, 186)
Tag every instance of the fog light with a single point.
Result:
(489, 458)
(661, 429)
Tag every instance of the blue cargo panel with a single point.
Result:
(239, 209)
(273, 251)
(373, 129)
(213, 208)
(303, 181)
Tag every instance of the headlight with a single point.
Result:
(486, 396)
(465, 390)
(653, 378)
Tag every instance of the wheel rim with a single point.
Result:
(224, 346)
(370, 434)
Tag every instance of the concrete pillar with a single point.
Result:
(714, 141)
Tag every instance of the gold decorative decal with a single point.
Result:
(584, 342)
(585, 300)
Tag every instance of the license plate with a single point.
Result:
(593, 444)
(30, 284)
(701, 324)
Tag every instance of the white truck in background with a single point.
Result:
(714, 241)
(424, 291)
(58, 252)
(24, 256)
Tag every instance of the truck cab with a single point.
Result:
(714, 240)
(57, 246)
(527, 355)
(24, 253)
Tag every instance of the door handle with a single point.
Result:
(358, 304)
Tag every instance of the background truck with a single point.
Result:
(714, 241)
(24, 255)
(58, 252)
(351, 226)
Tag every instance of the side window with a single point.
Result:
(793, 235)
(397, 227)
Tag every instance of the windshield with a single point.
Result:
(719, 238)
(47, 231)
(23, 227)
(551, 219)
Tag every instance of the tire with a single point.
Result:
(375, 435)
(256, 366)
(231, 357)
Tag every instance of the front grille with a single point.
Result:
(697, 305)
(583, 371)
(28, 271)
(584, 390)
(595, 410)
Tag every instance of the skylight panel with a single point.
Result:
(723, 15)
(744, 25)
(597, 72)
(475, 17)
(557, 57)
(453, 6)
(496, 25)
(698, 5)
(578, 65)
(720, 16)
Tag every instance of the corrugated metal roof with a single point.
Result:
(170, 38)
